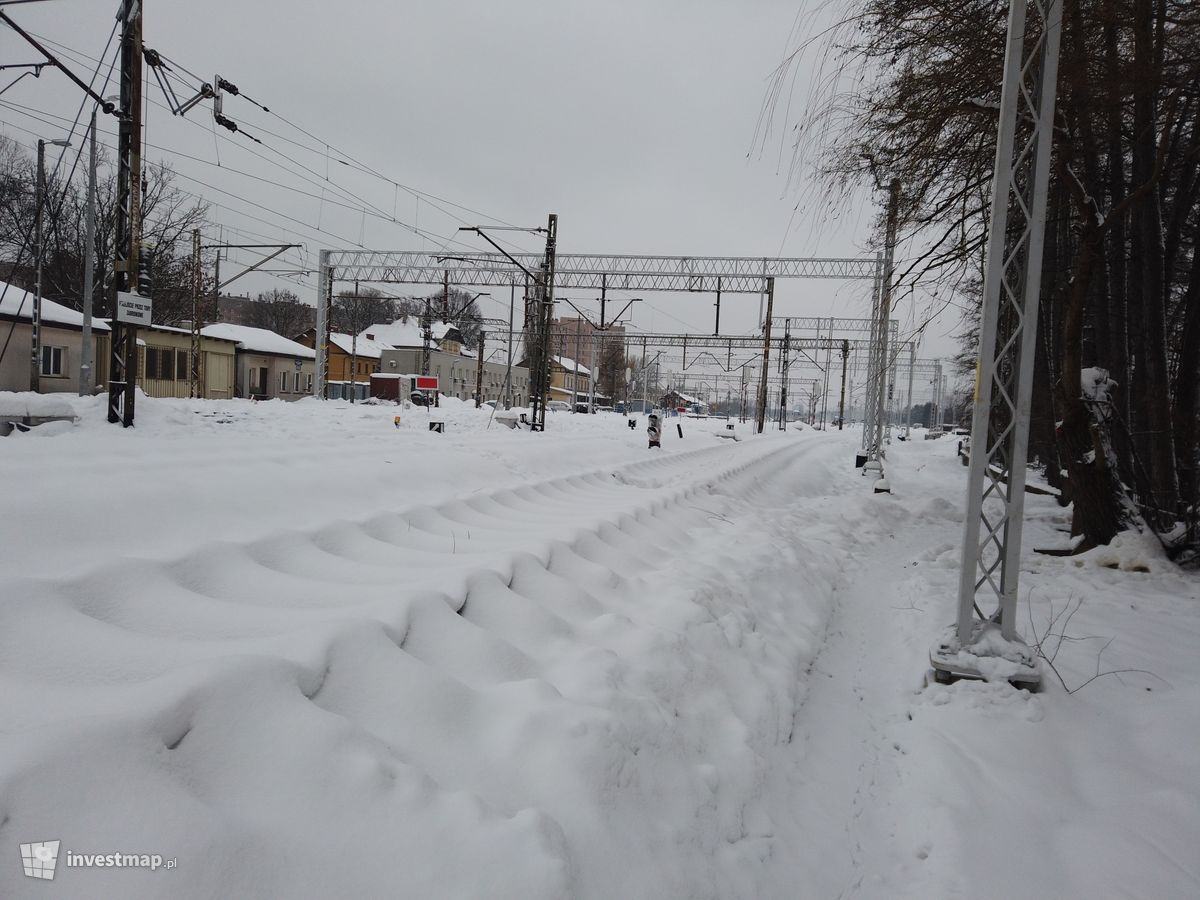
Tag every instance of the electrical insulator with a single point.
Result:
(145, 284)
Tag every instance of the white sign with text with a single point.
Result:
(133, 309)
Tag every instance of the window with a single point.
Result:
(283, 382)
(298, 389)
(308, 390)
(166, 363)
(53, 360)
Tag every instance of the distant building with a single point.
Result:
(350, 364)
(680, 401)
(61, 340)
(455, 366)
(572, 337)
(269, 366)
(165, 363)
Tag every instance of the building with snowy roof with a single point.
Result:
(61, 344)
(269, 366)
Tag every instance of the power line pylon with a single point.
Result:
(984, 642)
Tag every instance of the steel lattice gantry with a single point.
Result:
(984, 640)
(727, 274)
(716, 274)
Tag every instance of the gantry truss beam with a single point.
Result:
(740, 342)
(726, 274)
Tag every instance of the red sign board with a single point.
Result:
(427, 383)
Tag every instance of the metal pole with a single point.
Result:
(194, 375)
(320, 337)
(595, 370)
(426, 337)
(883, 389)
(35, 359)
(354, 343)
(842, 400)
(512, 300)
(761, 412)
(122, 376)
(912, 364)
(717, 323)
(991, 551)
(825, 387)
(445, 295)
(645, 381)
(479, 371)
(784, 362)
(575, 370)
(603, 299)
(87, 355)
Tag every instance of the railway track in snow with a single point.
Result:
(445, 672)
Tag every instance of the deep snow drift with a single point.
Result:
(304, 652)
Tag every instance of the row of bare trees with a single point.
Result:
(168, 214)
(909, 89)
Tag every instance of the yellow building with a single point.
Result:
(164, 363)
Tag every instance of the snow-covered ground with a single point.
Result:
(303, 651)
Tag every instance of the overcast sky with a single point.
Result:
(633, 121)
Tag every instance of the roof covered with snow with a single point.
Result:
(364, 346)
(402, 334)
(19, 303)
(571, 366)
(258, 340)
(686, 398)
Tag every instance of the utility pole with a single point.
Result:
(784, 363)
(825, 387)
(761, 412)
(87, 356)
(575, 371)
(324, 314)
(912, 364)
(354, 315)
(194, 389)
(717, 323)
(512, 300)
(426, 335)
(544, 304)
(479, 371)
(122, 376)
(842, 401)
(35, 360)
(445, 295)
(593, 372)
(881, 392)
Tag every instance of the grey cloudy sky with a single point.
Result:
(633, 121)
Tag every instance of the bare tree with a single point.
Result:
(910, 88)
(280, 311)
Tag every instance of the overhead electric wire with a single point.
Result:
(357, 164)
(62, 199)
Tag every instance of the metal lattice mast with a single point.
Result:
(912, 365)
(321, 334)
(885, 365)
(194, 388)
(122, 374)
(874, 366)
(987, 595)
